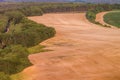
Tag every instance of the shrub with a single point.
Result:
(13, 59)
(91, 16)
(4, 76)
(14, 16)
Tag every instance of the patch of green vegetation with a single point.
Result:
(13, 59)
(25, 32)
(37, 49)
(15, 28)
(18, 35)
(4, 76)
(17, 76)
(113, 18)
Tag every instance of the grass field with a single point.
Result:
(113, 18)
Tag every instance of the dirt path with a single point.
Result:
(100, 18)
(82, 50)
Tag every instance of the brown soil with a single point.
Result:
(82, 50)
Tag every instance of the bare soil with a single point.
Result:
(81, 50)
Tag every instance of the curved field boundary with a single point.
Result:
(112, 18)
(100, 18)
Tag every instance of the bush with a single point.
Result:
(4, 76)
(14, 16)
(13, 59)
(91, 16)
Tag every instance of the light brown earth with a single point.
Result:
(99, 17)
(82, 50)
